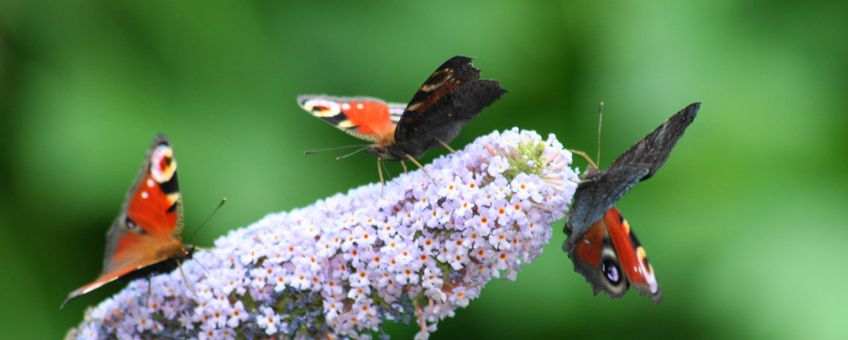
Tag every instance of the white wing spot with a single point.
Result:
(345, 106)
(144, 194)
(360, 106)
(150, 183)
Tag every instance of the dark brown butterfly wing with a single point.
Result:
(599, 190)
(653, 150)
(449, 98)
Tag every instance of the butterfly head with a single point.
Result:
(187, 252)
(386, 151)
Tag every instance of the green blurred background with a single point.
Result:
(745, 224)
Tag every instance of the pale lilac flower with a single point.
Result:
(268, 320)
(497, 165)
(237, 315)
(415, 250)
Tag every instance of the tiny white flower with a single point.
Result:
(497, 165)
(268, 320)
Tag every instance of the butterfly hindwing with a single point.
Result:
(365, 118)
(611, 259)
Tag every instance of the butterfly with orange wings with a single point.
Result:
(453, 95)
(600, 242)
(145, 238)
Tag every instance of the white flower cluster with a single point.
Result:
(414, 250)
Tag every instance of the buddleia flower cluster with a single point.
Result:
(412, 250)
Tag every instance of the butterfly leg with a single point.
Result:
(403, 164)
(414, 161)
(149, 288)
(203, 267)
(380, 172)
(185, 278)
(445, 145)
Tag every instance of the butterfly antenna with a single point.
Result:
(149, 288)
(314, 151)
(208, 274)
(194, 233)
(353, 153)
(600, 125)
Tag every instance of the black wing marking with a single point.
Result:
(600, 190)
(449, 98)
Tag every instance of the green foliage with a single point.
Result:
(742, 224)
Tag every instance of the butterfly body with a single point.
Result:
(449, 98)
(600, 242)
(146, 236)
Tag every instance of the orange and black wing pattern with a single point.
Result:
(148, 229)
(369, 119)
(600, 242)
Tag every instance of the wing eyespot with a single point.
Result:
(131, 225)
(322, 108)
(163, 165)
(612, 272)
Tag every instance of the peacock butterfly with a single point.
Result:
(145, 238)
(449, 98)
(600, 242)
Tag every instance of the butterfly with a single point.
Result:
(449, 98)
(145, 238)
(600, 242)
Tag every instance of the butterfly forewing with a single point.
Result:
(653, 150)
(450, 97)
(365, 118)
(452, 74)
(148, 229)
